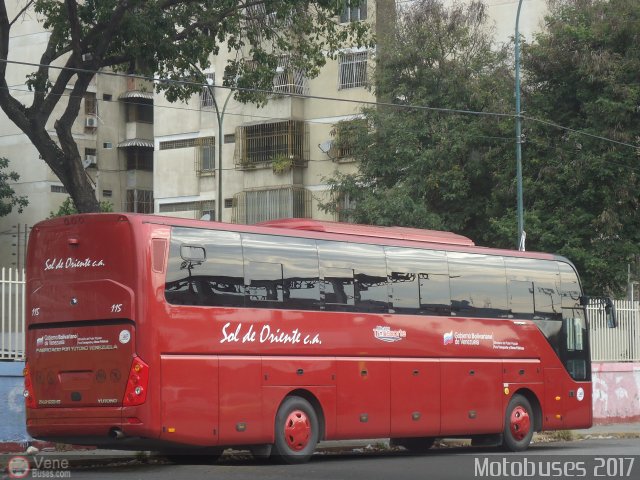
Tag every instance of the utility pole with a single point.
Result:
(220, 117)
(521, 235)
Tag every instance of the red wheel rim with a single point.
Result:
(297, 430)
(520, 422)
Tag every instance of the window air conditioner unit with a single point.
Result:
(91, 122)
(90, 161)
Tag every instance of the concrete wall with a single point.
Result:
(616, 397)
(12, 414)
(616, 392)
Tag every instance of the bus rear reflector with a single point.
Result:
(137, 383)
(29, 396)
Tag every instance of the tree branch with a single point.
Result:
(24, 9)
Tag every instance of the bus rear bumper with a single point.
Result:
(87, 426)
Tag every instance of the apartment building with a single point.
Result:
(144, 154)
(114, 133)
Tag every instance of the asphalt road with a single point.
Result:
(590, 459)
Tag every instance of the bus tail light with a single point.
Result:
(137, 383)
(29, 396)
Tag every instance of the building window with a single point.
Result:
(206, 94)
(253, 206)
(138, 111)
(58, 189)
(228, 202)
(230, 138)
(107, 97)
(265, 143)
(175, 144)
(107, 145)
(139, 201)
(346, 135)
(195, 210)
(139, 159)
(345, 209)
(107, 193)
(352, 70)
(354, 13)
(205, 155)
(90, 151)
(289, 79)
(90, 104)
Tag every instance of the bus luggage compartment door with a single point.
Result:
(190, 399)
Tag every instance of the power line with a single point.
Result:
(312, 97)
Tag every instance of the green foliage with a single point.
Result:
(8, 197)
(582, 73)
(68, 208)
(442, 170)
(429, 168)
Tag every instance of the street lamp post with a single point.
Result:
(220, 117)
(521, 234)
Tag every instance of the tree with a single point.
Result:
(581, 191)
(167, 39)
(8, 197)
(68, 208)
(434, 168)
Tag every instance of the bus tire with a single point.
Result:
(297, 431)
(414, 444)
(518, 424)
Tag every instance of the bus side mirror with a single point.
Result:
(610, 312)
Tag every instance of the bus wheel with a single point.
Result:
(414, 444)
(518, 424)
(296, 431)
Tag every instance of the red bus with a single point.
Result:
(147, 332)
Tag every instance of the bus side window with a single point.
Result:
(435, 298)
(264, 282)
(478, 285)
(357, 270)
(404, 293)
(521, 299)
(338, 286)
(205, 268)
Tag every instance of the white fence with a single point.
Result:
(12, 305)
(621, 344)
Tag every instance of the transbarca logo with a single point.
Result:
(385, 334)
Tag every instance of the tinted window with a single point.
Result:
(283, 270)
(478, 285)
(533, 289)
(354, 277)
(419, 281)
(205, 268)
(570, 290)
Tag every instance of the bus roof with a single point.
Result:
(398, 233)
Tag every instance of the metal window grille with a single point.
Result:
(352, 70)
(174, 144)
(139, 201)
(12, 314)
(196, 209)
(140, 159)
(206, 94)
(345, 208)
(205, 155)
(263, 142)
(253, 206)
(90, 104)
(354, 14)
(58, 189)
(288, 79)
